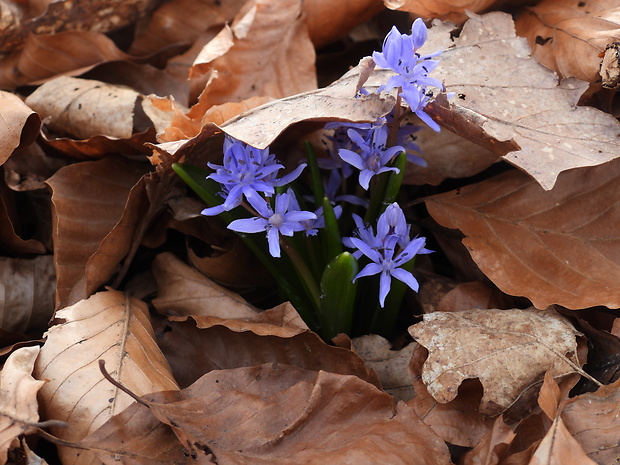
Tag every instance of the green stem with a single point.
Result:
(304, 272)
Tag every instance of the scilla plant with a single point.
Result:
(322, 238)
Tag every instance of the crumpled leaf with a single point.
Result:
(108, 326)
(85, 108)
(277, 335)
(19, 125)
(280, 414)
(568, 36)
(19, 410)
(446, 10)
(556, 247)
(507, 350)
(592, 419)
(390, 365)
(27, 287)
(185, 291)
(508, 102)
(80, 228)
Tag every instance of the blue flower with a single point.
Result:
(400, 54)
(373, 154)
(246, 172)
(285, 219)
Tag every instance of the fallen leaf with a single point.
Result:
(108, 326)
(19, 125)
(509, 103)
(185, 291)
(280, 414)
(568, 36)
(507, 350)
(277, 335)
(19, 410)
(27, 287)
(447, 10)
(493, 447)
(592, 420)
(79, 228)
(466, 296)
(265, 52)
(555, 247)
(390, 365)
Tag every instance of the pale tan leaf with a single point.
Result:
(554, 247)
(265, 52)
(558, 447)
(85, 108)
(568, 36)
(390, 365)
(19, 409)
(27, 287)
(185, 291)
(108, 326)
(507, 350)
(593, 420)
(511, 104)
(88, 205)
(447, 10)
(19, 125)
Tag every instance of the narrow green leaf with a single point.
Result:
(331, 233)
(317, 181)
(338, 296)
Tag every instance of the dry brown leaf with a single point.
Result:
(84, 108)
(592, 419)
(390, 365)
(27, 289)
(108, 326)
(507, 350)
(277, 335)
(89, 204)
(558, 246)
(568, 35)
(446, 10)
(265, 52)
(458, 421)
(48, 55)
(493, 446)
(19, 125)
(466, 296)
(511, 104)
(19, 410)
(279, 414)
(185, 291)
(558, 447)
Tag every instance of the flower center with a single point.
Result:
(276, 220)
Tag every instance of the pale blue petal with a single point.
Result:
(407, 278)
(273, 238)
(249, 225)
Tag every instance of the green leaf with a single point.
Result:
(338, 296)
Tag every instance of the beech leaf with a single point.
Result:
(507, 350)
(446, 10)
(19, 125)
(19, 410)
(508, 102)
(555, 247)
(568, 37)
(108, 326)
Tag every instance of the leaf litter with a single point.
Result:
(94, 115)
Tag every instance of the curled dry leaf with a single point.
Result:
(592, 419)
(554, 247)
(447, 10)
(108, 326)
(280, 414)
(265, 52)
(89, 205)
(19, 410)
(19, 125)
(84, 108)
(511, 104)
(277, 335)
(27, 289)
(568, 35)
(390, 365)
(507, 350)
(493, 447)
(185, 291)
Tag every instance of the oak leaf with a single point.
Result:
(507, 350)
(108, 326)
(508, 102)
(568, 37)
(554, 247)
(19, 410)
